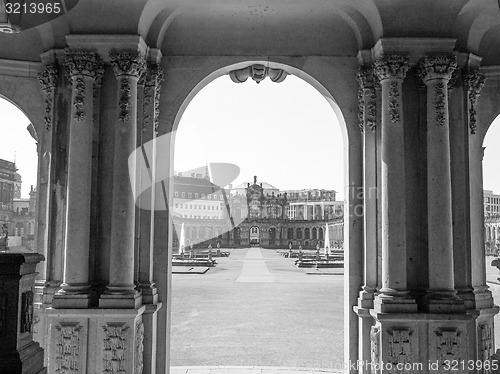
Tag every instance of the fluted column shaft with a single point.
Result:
(82, 69)
(393, 296)
(121, 292)
(436, 71)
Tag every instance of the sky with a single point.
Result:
(285, 133)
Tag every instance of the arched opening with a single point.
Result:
(491, 199)
(304, 212)
(19, 172)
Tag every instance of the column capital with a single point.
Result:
(474, 82)
(366, 77)
(366, 97)
(127, 63)
(437, 67)
(153, 74)
(392, 67)
(80, 63)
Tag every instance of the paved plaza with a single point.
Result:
(256, 308)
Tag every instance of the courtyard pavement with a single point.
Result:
(256, 312)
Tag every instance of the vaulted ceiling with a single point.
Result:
(268, 27)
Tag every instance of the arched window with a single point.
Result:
(176, 194)
(314, 233)
(320, 233)
(183, 194)
(307, 234)
(299, 233)
(195, 195)
(290, 233)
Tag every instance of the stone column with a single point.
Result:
(394, 297)
(367, 125)
(367, 109)
(474, 82)
(82, 68)
(121, 293)
(435, 72)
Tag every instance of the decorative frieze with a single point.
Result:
(68, 348)
(474, 81)
(139, 347)
(152, 88)
(375, 348)
(26, 311)
(486, 347)
(366, 98)
(47, 77)
(400, 349)
(115, 346)
(448, 346)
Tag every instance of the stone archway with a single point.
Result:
(340, 93)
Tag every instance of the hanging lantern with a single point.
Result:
(10, 16)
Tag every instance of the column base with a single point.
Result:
(149, 293)
(384, 303)
(366, 297)
(443, 301)
(95, 340)
(483, 297)
(72, 301)
(467, 295)
(120, 301)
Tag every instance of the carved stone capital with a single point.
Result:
(474, 82)
(366, 98)
(394, 67)
(154, 75)
(127, 63)
(437, 67)
(47, 77)
(83, 64)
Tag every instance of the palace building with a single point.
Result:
(258, 214)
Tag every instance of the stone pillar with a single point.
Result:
(121, 293)
(474, 82)
(19, 353)
(393, 296)
(367, 124)
(435, 72)
(82, 68)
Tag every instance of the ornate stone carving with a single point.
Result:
(391, 67)
(139, 347)
(375, 348)
(67, 352)
(400, 348)
(440, 103)
(26, 311)
(47, 77)
(486, 343)
(367, 108)
(258, 73)
(474, 81)
(437, 67)
(78, 66)
(115, 343)
(126, 65)
(393, 102)
(152, 88)
(448, 346)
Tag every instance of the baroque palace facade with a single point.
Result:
(415, 86)
(254, 214)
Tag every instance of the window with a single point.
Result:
(209, 197)
(196, 195)
(183, 194)
(176, 194)
(190, 195)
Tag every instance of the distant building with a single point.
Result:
(255, 214)
(491, 203)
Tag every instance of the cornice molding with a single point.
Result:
(20, 68)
